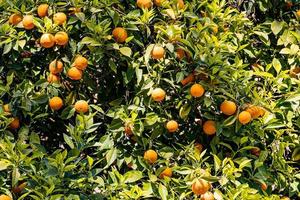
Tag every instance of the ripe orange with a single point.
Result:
(158, 94)
(207, 196)
(188, 79)
(15, 18)
(150, 156)
(264, 186)
(209, 127)
(144, 4)
(180, 4)
(80, 62)
(244, 117)
(172, 126)
(15, 124)
(6, 108)
(28, 22)
(56, 103)
(198, 147)
(166, 173)
(81, 106)
(56, 67)
(5, 197)
(128, 130)
(228, 107)
(47, 40)
(120, 34)
(180, 54)
(74, 73)
(158, 52)
(43, 10)
(200, 186)
(19, 188)
(158, 2)
(298, 13)
(52, 78)
(215, 29)
(255, 111)
(61, 38)
(289, 4)
(197, 90)
(59, 18)
(255, 151)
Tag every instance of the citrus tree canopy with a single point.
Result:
(149, 99)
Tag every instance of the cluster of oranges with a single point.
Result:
(228, 108)
(48, 40)
(146, 4)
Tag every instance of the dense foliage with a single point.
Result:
(210, 87)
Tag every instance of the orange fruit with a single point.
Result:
(158, 94)
(158, 2)
(15, 124)
(157, 52)
(215, 29)
(150, 156)
(200, 186)
(264, 186)
(120, 34)
(56, 103)
(166, 173)
(298, 13)
(43, 10)
(197, 90)
(52, 78)
(255, 111)
(188, 79)
(207, 196)
(285, 198)
(15, 18)
(28, 22)
(144, 4)
(74, 73)
(180, 4)
(198, 147)
(180, 54)
(61, 38)
(59, 18)
(244, 117)
(228, 107)
(56, 67)
(5, 197)
(6, 108)
(128, 130)
(289, 4)
(80, 62)
(19, 188)
(81, 106)
(209, 127)
(47, 40)
(172, 126)
(255, 151)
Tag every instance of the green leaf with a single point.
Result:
(184, 111)
(69, 141)
(126, 51)
(132, 176)
(276, 27)
(293, 98)
(111, 156)
(4, 164)
(276, 64)
(163, 192)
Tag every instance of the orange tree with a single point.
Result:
(163, 99)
